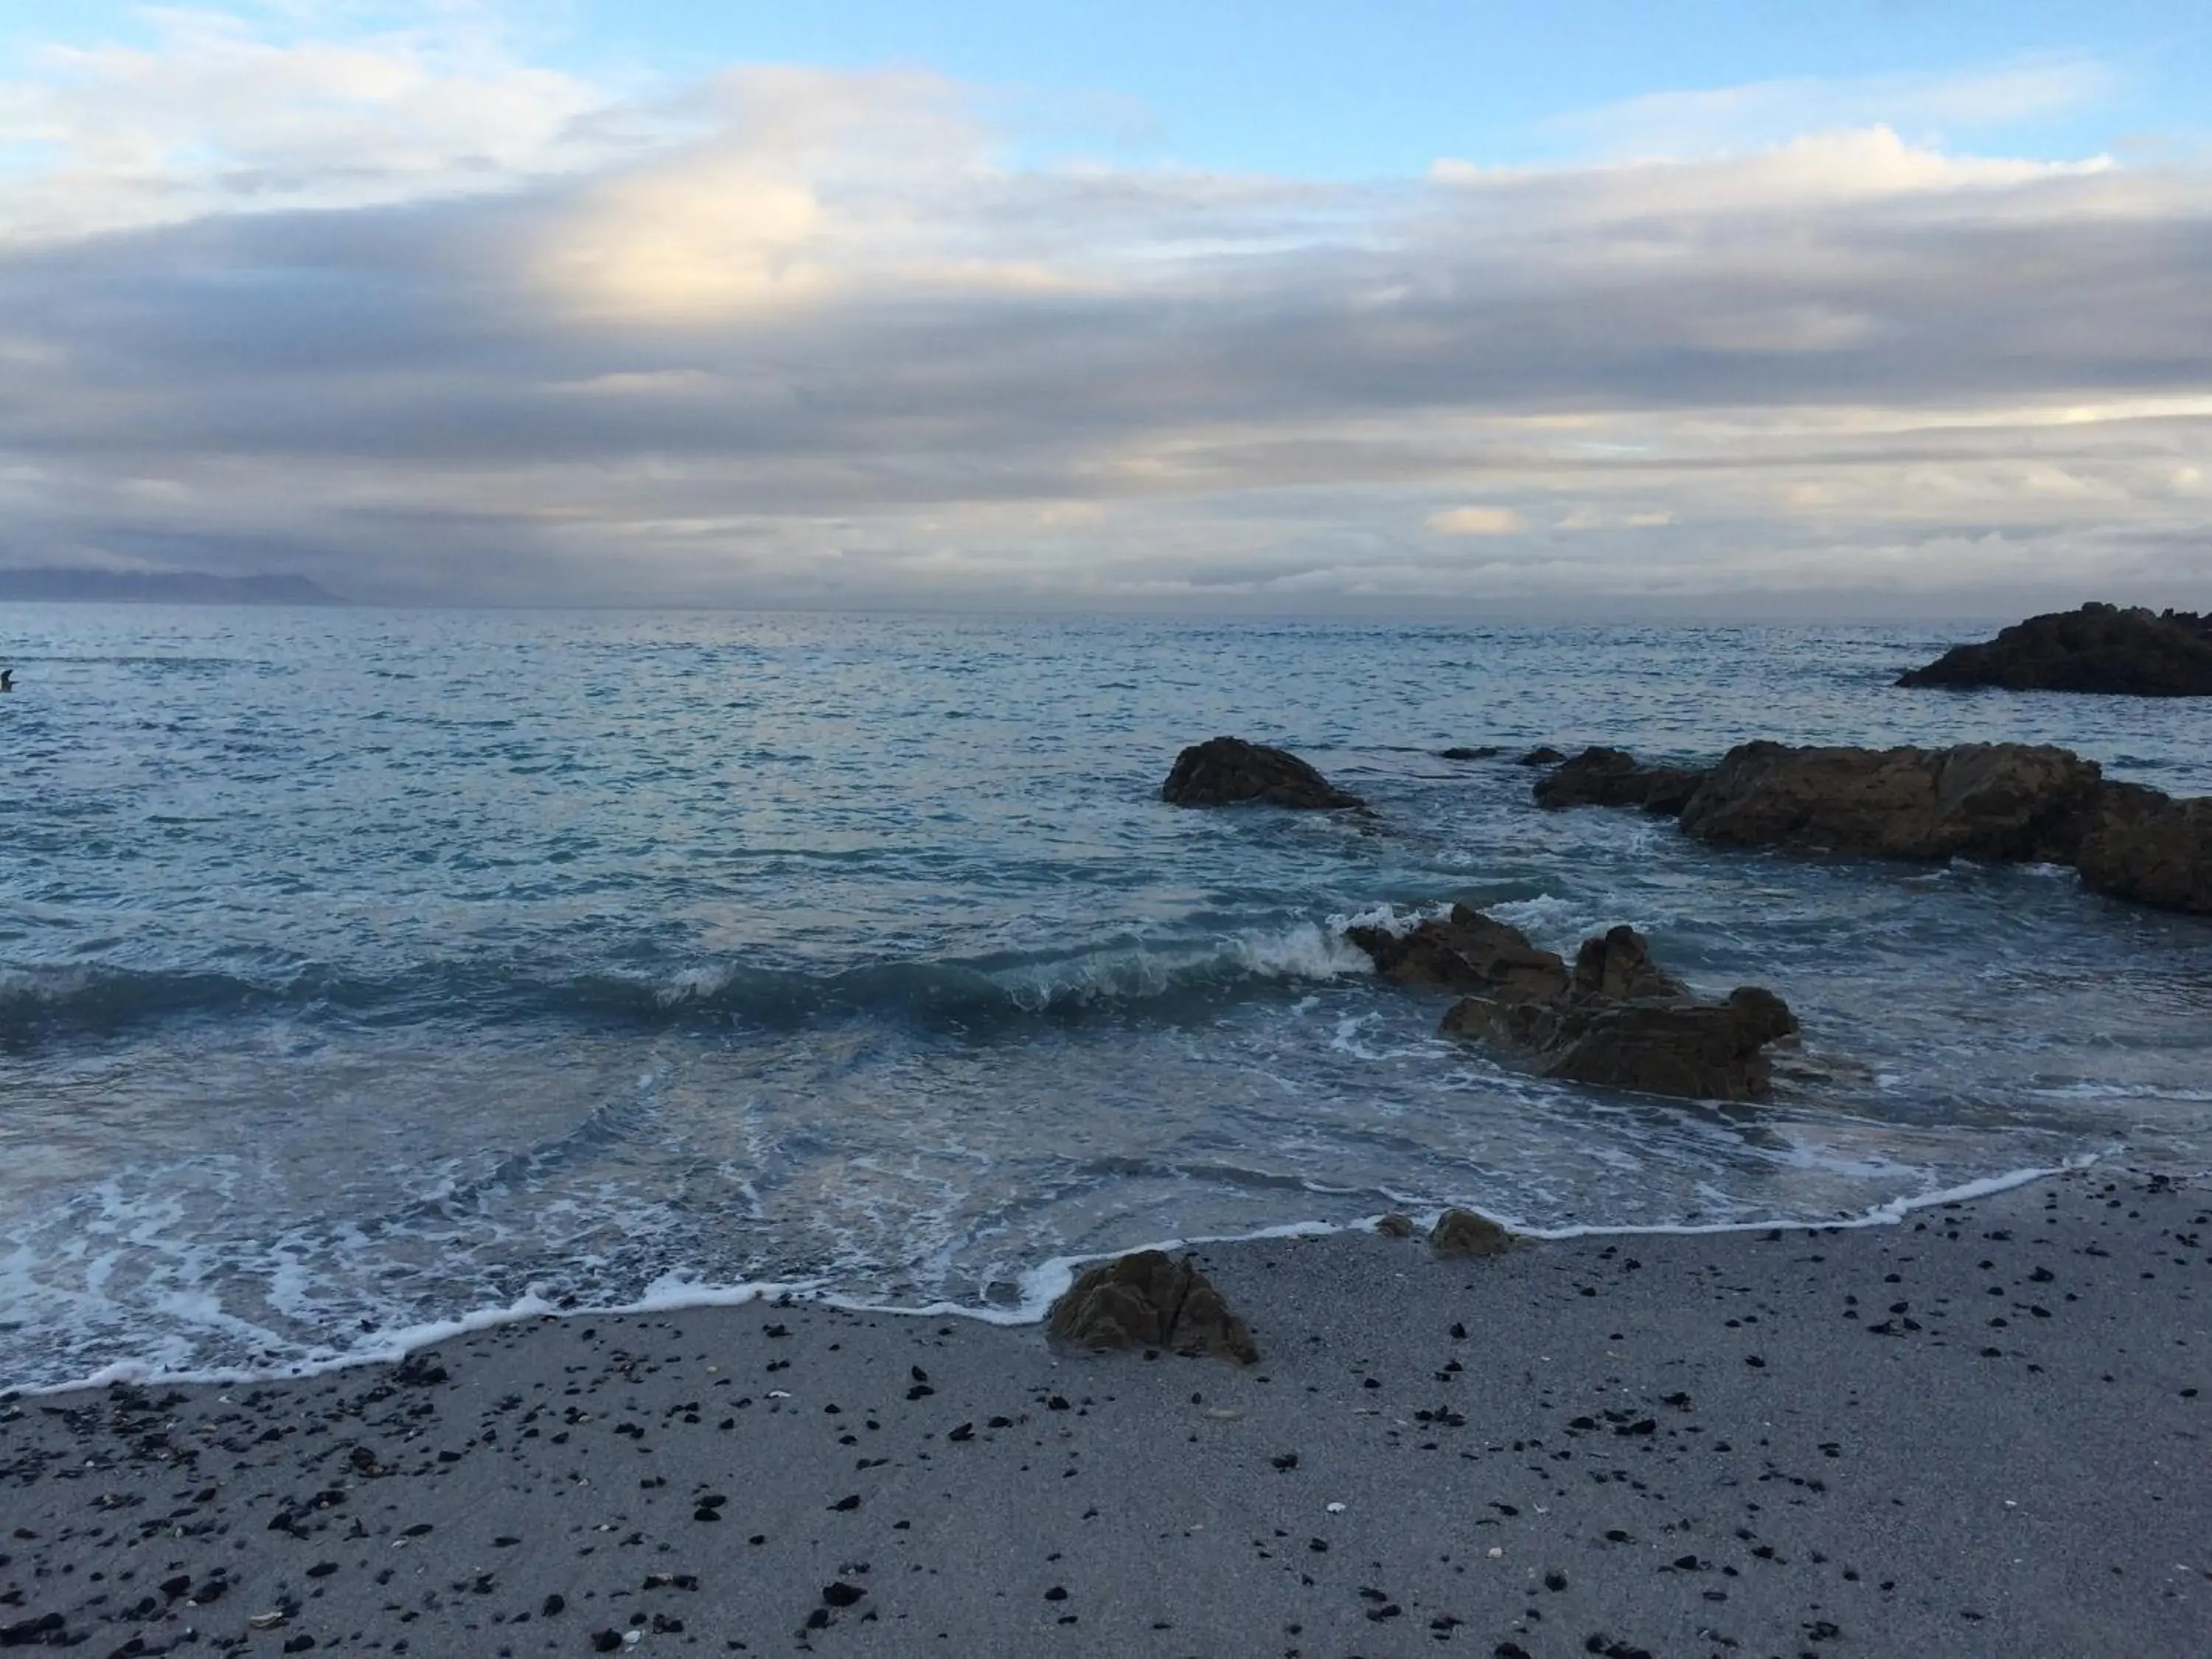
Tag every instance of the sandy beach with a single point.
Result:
(1980, 1430)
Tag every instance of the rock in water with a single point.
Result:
(1462, 1232)
(1467, 953)
(1231, 772)
(2144, 845)
(1979, 801)
(1149, 1300)
(1613, 777)
(1542, 755)
(2098, 648)
(1623, 1022)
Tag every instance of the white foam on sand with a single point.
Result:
(1039, 1287)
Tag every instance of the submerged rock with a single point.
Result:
(1231, 772)
(1463, 1233)
(1466, 951)
(1624, 1023)
(1613, 777)
(1149, 1299)
(1460, 753)
(2098, 648)
(1541, 756)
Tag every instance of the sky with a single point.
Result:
(1882, 308)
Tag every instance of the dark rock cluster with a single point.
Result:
(1231, 772)
(1996, 802)
(2099, 648)
(1617, 1020)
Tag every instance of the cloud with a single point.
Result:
(787, 335)
(1766, 113)
(1476, 521)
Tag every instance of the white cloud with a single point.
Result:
(1766, 113)
(1476, 521)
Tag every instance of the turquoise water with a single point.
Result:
(363, 969)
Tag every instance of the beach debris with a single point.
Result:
(1463, 1233)
(1149, 1299)
(269, 1620)
(1623, 1022)
(1231, 772)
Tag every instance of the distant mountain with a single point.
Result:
(161, 587)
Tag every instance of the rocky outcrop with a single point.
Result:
(2142, 845)
(1149, 1299)
(1465, 952)
(1231, 772)
(1614, 777)
(1993, 801)
(2098, 648)
(1463, 1233)
(1990, 801)
(1623, 1022)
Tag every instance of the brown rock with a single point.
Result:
(1463, 1233)
(1149, 1299)
(1394, 1226)
(1543, 755)
(1231, 772)
(2098, 648)
(1625, 1024)
(2142, 845)
(1468, 951)
(1614, 777)
(2003, 800)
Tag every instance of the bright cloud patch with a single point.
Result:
(412, 316)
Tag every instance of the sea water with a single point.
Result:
(362, 970)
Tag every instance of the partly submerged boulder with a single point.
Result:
(1231, 772)
(1463, 1233)
(1465, 952)
(1980, 800)
(1614, 777)
(1623, 1022)
(1461, 752)
(1542, 755)
(2098, 648)
(1149, 1299)
(2139, 844)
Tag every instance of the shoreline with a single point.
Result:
(1042, 1285)
(1736, 1443)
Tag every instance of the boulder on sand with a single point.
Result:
(1149, 1299)
(1231, 772)
(2098, 648)
(1623, 1022)
(1614, 777)
(1466, 951)
(1463, 1233)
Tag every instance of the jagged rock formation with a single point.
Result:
(2098, 648)
(1624, 1023)
(1468, 951)
(1231, 772)
(1997, 802)
(1149, 1299)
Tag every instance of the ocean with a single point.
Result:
(364, 973)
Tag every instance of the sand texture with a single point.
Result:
(1980, 1431)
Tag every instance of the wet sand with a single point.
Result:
(1980, 1431)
